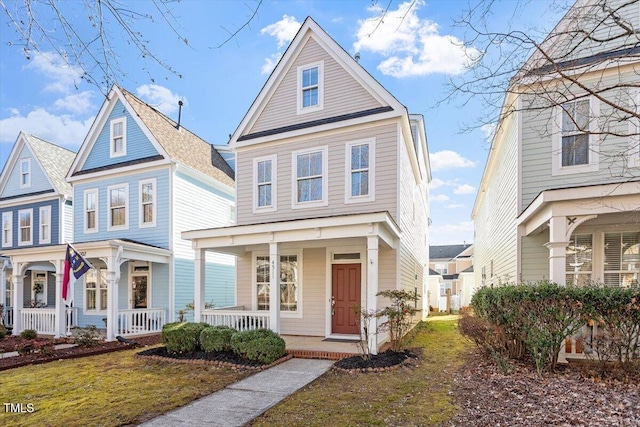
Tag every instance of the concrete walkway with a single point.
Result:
(243, 401)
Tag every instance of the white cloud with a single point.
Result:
(284, 30)
(448, 159)
(79, 103)
(412, 46)
(436, 182)
(160, 97)
(270, 63)
(62, 76)
(464, 189)
(449, 234)
(439, 198)
(60, 129)
(454, 206)
(488, 130)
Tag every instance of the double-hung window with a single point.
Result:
(359, 182)
(118, 200)
(310, 177)
(310, 87)
(264, 184)
(147, 213)
(289, 283)
(118, 137)
(25, 173)
(7, 229)
(25, 223)
(579, 259)
(622, 259)
(95, 291)
(91, 211)
(45, 224)
(575, 142)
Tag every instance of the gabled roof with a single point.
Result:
(311, 28)
(446, 251)
(467, 270)
(175, 143)
(432, 272)
(54, 160)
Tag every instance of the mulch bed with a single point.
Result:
(572, 396)
(222, 358)
(8, 344)
(385, 361)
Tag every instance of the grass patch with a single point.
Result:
(418, 396)
(107, 390)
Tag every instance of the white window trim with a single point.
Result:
(30, 242)
(126, 207)
(112, 152)
(371, 197)
(88, 230)
(254, 283)
(594, 142)
(44, 210)
(634, 133)
(10, 242)
(325, 178)
(147, 273)
(274, 184)
(26, 161)
(320, 105)
(154, 209)
(98, 297)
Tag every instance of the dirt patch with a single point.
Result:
(385, 361)
(221, 358)
(67, 353)
(568, 397)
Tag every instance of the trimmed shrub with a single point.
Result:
(29, 334)
(260, 345)
(86, 337)
(216, 338)
(182, 337)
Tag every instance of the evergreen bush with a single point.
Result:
(216, 338)
(182, 337)
(260, 345)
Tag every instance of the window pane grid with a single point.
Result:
(575, 137)
(310, 87)
(360, 170)
(579, 259)
(147, 203)
(622, 259)
(264, 183)
(309, 174)
(25, 227)
(288, 282)
(117, 201)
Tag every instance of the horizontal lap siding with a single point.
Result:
(535, 256)
(245, 279)
(385, 176)
(342, 93)
(39, 181)
(54, 222)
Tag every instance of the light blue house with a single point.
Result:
(139, 180)
(35, 212)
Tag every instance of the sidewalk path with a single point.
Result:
(245, 400)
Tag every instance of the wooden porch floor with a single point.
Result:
(318, 348)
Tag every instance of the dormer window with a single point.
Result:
(25, 173)
(310, 87)
(118, 137)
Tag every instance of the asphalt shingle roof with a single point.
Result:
(55, 161)
(446, 251)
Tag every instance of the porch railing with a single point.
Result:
(237, 318)
(141, 321)
(43, 320)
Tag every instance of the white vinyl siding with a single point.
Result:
(25, 173)
(90, 212)
(45, 225)
(7, 229)
(265, 171)
(118, 207)
(310, 176)
(118, 137)
(147, 203)
(25, 227)
(360, 171)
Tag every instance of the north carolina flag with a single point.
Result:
(74, 267)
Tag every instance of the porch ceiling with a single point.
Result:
(237, 239)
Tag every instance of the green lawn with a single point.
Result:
(408, 396)
(106, 390)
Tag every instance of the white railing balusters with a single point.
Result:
(237, 319)
(141, 321)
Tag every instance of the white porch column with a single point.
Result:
(274, 286)
(61, 315)
(3, 282)
(372, 289)
(18, 297)
(198, 284)
(113, 282)
(557, 246)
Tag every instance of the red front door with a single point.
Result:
(345, 296)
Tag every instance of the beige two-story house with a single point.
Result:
(332, 181)
(560, 194)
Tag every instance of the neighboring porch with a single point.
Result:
(115, 296)
(317, 269)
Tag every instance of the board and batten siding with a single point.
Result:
(539, 125)
(495, 219)
(54, 222)
(156, 236)
(385, 176)
(342, 93)
(138, 145)
(39, 181)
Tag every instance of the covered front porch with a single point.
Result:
(115, 295)
(319, 270)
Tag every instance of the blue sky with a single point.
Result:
(413, 54)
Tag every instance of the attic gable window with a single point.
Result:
(118, 137)
(25, 173)
(310, 87)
